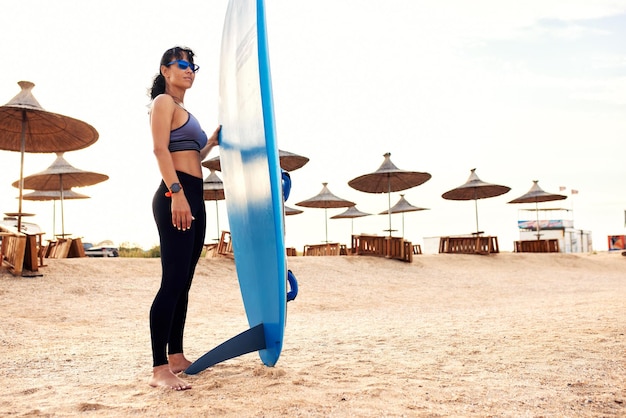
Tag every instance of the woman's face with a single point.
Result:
(179, 73)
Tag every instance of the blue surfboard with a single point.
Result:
(253, 185)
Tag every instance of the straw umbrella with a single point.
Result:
(474, 189)
(535, 195)
(401, 207)
(325, 199)
(214, 190)
(54, 195)
(288, 161)
(26, 127)
(351, 213)
(292, 211)
(61, 176)
(388, 178)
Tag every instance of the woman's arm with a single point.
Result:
(161, 116)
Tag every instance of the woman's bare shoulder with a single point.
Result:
(163, 99)
(163, 103)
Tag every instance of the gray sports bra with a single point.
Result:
(189, 137)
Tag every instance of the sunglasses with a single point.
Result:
(183, 65)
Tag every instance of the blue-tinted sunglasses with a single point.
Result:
(183, 65)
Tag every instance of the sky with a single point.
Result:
(521, 91)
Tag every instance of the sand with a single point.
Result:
(505, 335)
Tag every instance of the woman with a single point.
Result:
(178, 206)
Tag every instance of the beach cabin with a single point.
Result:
(551, 230)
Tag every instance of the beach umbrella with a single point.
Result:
(26, 127)
(292, 211)
(326, 200)
(54, 195)
(401, 207)
(288, 161)
(536, 195)
(474, 189)
(351, 213)
(213, 189)
(61, 176)
(388, 178)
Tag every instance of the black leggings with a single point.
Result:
(180, 251)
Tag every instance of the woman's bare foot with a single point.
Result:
(178, 363)
(163, 376)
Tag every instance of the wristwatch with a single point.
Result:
(175, 188)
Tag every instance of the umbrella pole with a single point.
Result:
(538, 227)
(402, 225)
(389, 202)
(22, 151)
(476, 211)
(388, 252)
(217, 216)
(62, 213)
(326, 224)
(54, 217)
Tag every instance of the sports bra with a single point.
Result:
(189, 137)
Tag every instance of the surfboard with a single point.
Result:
(253, 186)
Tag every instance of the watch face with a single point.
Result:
(175, 188)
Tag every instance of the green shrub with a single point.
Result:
(126, 250)
(154, 252)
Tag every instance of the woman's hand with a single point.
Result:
(212, 142)
(181, 212)
(214, 139)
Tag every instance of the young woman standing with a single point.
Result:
(180, 145)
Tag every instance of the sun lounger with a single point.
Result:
(330, 248)
(225, 246)
(469, 245)
(390, 247)
(12, 250)
(537, 246)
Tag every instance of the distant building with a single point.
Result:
(555, 224)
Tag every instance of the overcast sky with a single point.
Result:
(521, 91)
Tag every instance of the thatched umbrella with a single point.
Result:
(292, 211)
(26, 127)
(388, 178)
(44, 195)
(288, 161)
(54, 195)
(214, 190)
(351, 213)
(61, 176)
(474, 189)
(535, 195)
(401, 207)
(325, 199)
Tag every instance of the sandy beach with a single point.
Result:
(506, 335)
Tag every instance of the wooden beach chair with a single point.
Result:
(12, 250)
(225, 246)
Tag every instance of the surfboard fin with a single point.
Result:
(244, 343)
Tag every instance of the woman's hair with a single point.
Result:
(172, 54)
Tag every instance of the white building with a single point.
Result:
(554, 223)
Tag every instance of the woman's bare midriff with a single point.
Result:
(187, 162)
